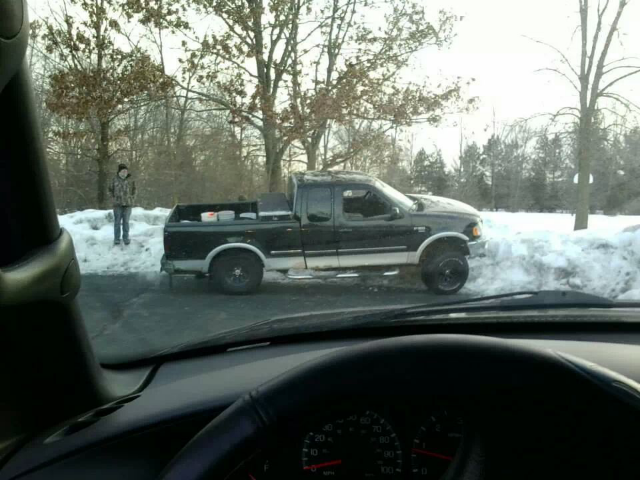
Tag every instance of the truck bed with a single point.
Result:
(268, 207)
(188, 241)
(191, 212)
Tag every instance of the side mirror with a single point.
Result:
(395, 214)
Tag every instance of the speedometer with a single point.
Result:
(354, 447)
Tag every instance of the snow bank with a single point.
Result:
(533, 251)
(525, 251)
(92, 232)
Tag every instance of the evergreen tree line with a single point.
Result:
(535, 171)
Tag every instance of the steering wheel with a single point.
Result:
(430, 365)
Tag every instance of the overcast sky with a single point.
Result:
(492, 46)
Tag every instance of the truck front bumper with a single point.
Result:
(477, 248)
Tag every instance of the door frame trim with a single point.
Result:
(356, 251)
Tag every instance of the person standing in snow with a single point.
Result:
(123, 192)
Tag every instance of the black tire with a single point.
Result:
(237, 273)
(445, 273)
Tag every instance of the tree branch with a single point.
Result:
(613, 82)
(620, 67)
(628, 104)
(247, 116)
(595, 89)
(561, 73)
(596, 36)
(558, 51)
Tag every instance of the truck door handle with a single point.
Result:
(345, 230)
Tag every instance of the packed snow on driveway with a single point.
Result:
(525, 251)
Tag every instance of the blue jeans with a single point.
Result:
(121, 217)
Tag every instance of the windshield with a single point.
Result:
(219, 166)
(399, 198)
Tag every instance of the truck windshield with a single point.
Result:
(399, 198)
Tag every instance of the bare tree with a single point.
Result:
(354, 71)
(594, 80)
(97, 80)
(246, 63)
(289, 68)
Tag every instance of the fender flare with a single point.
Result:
(229, 246)
(435, 237)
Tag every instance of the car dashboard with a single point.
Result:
(387, 437)
(419, 440)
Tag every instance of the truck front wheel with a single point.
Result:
(445, 273)
(237, 273)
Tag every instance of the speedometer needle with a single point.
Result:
(321, 465)
(431, 454)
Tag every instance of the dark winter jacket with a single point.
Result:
(122, 191)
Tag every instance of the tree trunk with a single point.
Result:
(103, 161)
(102, 182)
(325, 144)
(275, 177)
(312, 146)
(312, 156)
(273, 161)
(584, 171)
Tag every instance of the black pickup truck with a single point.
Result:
(333, 224)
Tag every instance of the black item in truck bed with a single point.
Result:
(273, 206)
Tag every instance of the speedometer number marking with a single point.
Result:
(357, 446)
(435, 445)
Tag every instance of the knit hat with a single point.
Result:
(121, 167)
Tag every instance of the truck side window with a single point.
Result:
(319, 203)
(363, 204)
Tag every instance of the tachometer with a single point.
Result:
(359, 446)
(436, 445)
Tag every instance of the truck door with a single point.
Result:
(318, 227)
(369, 234)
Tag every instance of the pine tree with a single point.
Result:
(473, 186)
(557, 175)
(629, 172)
(492, 153)
(437, 176)
(537, 179)
(419, 176)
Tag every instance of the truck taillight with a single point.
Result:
(166, 242)
(477, 232)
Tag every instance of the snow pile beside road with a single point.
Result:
(92, 232)
(525, 251)
(534, 251)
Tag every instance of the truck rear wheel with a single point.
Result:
(446, 273)
(237, 273)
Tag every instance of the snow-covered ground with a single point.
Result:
(525, 251)
(533, 251)
(92, 232)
